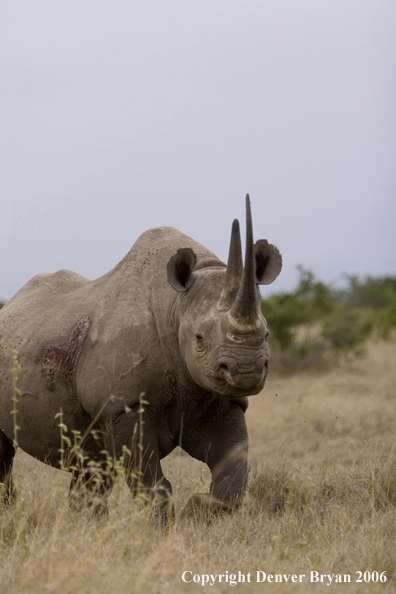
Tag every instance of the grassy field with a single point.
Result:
(322, 497)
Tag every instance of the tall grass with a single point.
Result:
(321, 496)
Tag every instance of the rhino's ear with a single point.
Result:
(268, 262)
(180, 268)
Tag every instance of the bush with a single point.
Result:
(307, 305)
(317, 322)
(372, 293)
(347, 330)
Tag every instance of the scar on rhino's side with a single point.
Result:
(60, 361)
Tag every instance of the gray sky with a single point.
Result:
(120, 116)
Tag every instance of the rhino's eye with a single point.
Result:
(199, 341)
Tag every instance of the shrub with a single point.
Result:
(317, 322)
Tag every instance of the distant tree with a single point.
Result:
(375, 293)
(375, 296)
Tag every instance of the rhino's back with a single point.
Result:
(49, 306)
(62, 281)
(137, 279)
(118, 316)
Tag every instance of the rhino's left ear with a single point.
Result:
(268, 262)
(180, 268)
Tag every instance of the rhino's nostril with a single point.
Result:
(223, 371)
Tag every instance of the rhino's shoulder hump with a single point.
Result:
(164, 242)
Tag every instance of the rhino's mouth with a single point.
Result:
(246, 380)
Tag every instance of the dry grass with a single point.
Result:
(322, 496)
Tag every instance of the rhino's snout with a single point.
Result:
(243, 377)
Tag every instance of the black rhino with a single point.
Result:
(170, 321)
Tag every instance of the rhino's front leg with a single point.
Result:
(144, 474)
(220, 439)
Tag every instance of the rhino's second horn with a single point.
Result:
(234, 270)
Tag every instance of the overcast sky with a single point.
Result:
(120, 116)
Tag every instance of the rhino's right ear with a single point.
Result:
(268, 262)
(180, 268)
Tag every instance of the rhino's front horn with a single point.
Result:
(234, 270)
(245, 310)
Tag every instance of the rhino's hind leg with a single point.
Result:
(7, 453)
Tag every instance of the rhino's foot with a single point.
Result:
(159, 498)
(204, 506)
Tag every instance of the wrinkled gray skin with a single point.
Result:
(170, 321)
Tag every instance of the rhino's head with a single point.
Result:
(222, 332)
